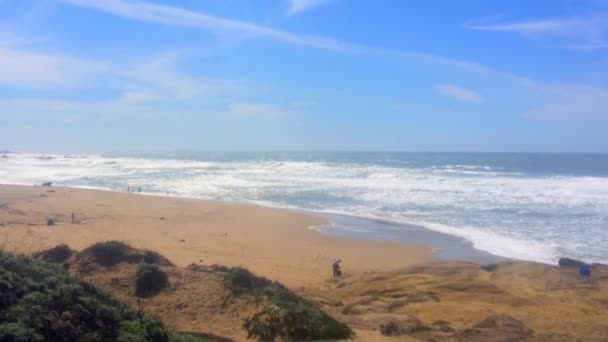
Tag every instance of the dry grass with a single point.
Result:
(452, 297)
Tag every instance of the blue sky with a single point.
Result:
(125, 75)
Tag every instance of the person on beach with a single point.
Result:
(584, 271)
(336, 268)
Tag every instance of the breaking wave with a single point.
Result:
(508, 211)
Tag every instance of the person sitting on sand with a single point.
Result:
(336, 268)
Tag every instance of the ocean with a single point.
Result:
(529, 206)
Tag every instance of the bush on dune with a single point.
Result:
(110, 253)
(284, 315)
(41, 302)
(149, 280)
(240, 280)
(297, 321)
(58, 254)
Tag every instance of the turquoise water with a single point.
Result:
(530, 206)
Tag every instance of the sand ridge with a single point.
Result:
(555, 303)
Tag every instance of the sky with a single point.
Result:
(154, 75)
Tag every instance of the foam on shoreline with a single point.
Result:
(536, 217)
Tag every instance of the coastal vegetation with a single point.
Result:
(150, 280)
(42, 299)
(109, 253)
(39, 301)
(58, 254)
(284, 314)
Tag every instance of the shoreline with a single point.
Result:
(276, 243)
(403, 191)
(444, 246)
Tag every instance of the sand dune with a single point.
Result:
(446, 300)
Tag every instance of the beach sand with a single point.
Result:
(383, 282)
(275, 243)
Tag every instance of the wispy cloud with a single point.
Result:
(25, 67)
(159, 79)
(572, 102)
(568, 111)
(529, 27)
(53, 109)
(135, 105)
(175, 16)
(156, 77)
(584, 32)
(147, 87)
(458, 93)
(299, 6)
(260, 110)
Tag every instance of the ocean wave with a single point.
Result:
(512, 214)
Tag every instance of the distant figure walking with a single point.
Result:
(584, 270)
(73, 218)
(336, 268)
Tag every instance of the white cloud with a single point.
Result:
(589, 32)
(175, 16)
(39, 69)
(459, 93)
(566, 111)
(299, 6)
(129, 105)
(64, 110)
(259, 110)
(156, 78)
(159, 79)
(572, 102)
(133, 105)
(529, 27)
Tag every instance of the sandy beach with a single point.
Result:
(382, 282)
(278, 244)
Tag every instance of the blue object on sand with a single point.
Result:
(584, 270)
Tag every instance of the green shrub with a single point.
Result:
(110, 253)
(295, 322)
(240, 280)
(150, 257)
(58, 254)
(15, 332)
(40, 302)
(195, 337)
(285, 315)
(265, 325)
(150, 280)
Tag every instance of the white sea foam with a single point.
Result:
(507, 213)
